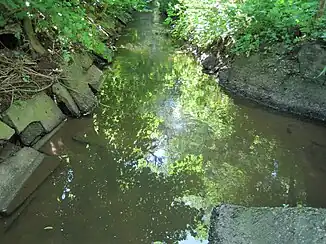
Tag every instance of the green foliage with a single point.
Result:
(69, 22)
(249, 24)
(166, 5)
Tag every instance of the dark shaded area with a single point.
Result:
(9, 41)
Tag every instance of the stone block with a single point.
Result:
(63, 95)
(79, 88)
(124, 18)
(32, 116)
(5, 131)
(83, 59)
(95, 77)
(8, 150)
(312, 59)
(237, 224)
(14, 173)
(32, 133)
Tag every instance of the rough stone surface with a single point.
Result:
(208, 61)
(32, 133)
(7, 221)
(5, 131)
(232, 224)
(39, 108)
(312, 60)
(79, 89)
(124, 18)
(276, 80)
(8, 150)
(64, 96)
(14, 173)
(95, 77)
(83, 59)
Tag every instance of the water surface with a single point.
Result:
(165, 146)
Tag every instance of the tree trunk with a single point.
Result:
(35, 44)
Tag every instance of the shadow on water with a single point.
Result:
(164, 147)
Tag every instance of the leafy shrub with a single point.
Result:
(67, 20)
(249, 23)
(166, 5)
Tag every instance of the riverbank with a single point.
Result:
(237, 224)
(277, 59)
(39, 94)
(287, 81)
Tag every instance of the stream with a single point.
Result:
(164, 147)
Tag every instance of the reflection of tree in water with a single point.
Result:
(208, 158)
(239, 165)
(241, 169)
(135, 205)
(131, 205)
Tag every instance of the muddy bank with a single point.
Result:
(277, 78)
(236, 224)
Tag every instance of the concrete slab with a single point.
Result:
(94, 77)
(20, 175)
(79, 89)
(236, 224)
(8, 150)
(41, 108)
(64, 96)
(32, 133)
(5, 131)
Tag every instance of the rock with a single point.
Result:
(5, 131)
(124, 18)
(64, 97)
(8, 150)
(83, 59)
(312, 59)
(32, 133)
(20, 175)
(209, 62)
(32, 116)
(236, 224)
(276, 81)
(79, 88)
(95, 78)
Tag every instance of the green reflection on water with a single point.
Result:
(211, 156)
(164, 147)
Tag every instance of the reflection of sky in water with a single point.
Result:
(191, 240)
(174, 123)
(170, 110)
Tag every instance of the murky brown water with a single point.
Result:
(163, 148)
